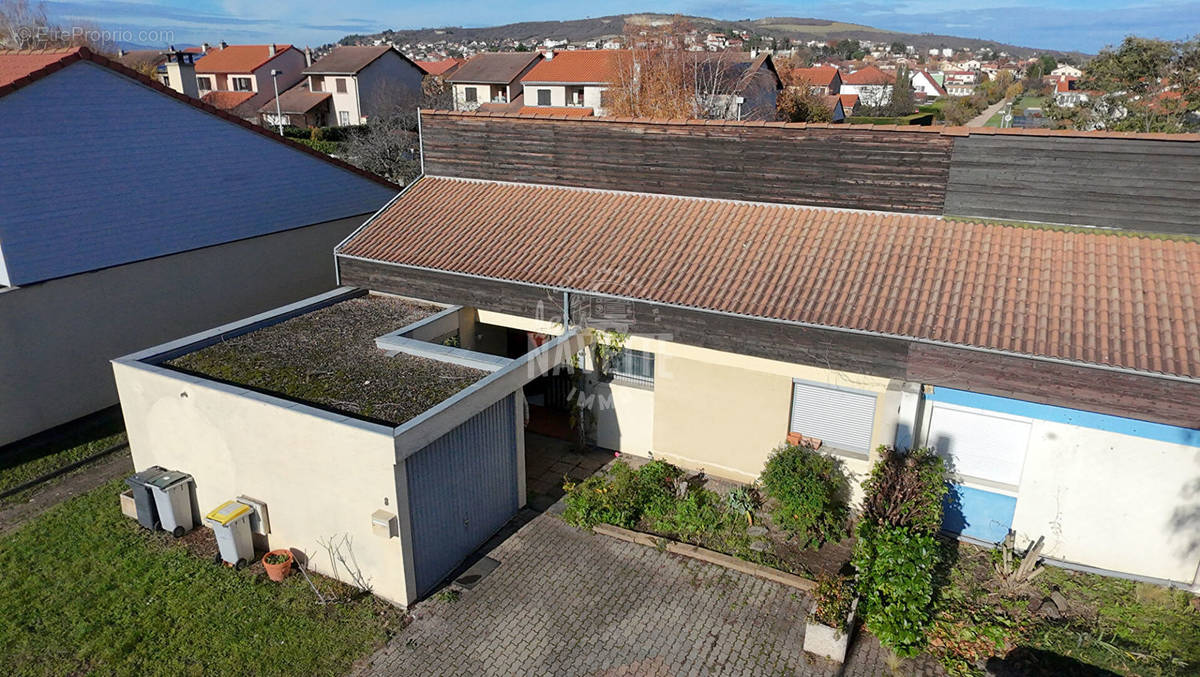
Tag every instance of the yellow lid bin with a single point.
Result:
(230, 523)
(227, 512)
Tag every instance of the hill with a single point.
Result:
(599, 28)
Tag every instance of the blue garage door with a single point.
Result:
(462, 489)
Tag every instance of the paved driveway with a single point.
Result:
(565, 602)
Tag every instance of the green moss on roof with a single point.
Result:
(328, 357)
(1091, 230)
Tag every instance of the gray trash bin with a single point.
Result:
(143, 499)
(230, 523)
(173, 496)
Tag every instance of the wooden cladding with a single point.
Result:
(1139, 396)
(1132, 184)
(1140, 184)
(850, 168)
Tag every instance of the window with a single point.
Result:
(543, 97)
(166, 80)
(341, 85)
(318, 84)
(575, 96)
(204, 84)
(471, 94)
(633, 366)
(242, 85)
(343, 117)
(841, 418)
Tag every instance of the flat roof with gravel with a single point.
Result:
(327, 357)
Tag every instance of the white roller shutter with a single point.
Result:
(979, 444)
(839, 417)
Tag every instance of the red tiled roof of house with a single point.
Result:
(578, 66)
(1099, 298)
(817, 76)
(849, 101)
(237, 58)
(16, 64)
(440, 67)
(868, 76)
(557, 111)
(226, 100)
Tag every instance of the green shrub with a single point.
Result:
(326, 147)
(897, 552)
(833, 598)
(809, 489)
(622, 495)
(895, 579)
(699, 513)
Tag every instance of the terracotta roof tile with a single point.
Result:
(237, 58)
(1099, 298)
(227, 100)
(16, 64)
(578, 66)
(548, 111)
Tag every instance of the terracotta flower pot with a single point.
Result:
(279, 571)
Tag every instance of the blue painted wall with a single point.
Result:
(462, 489)
(1085, 419)
(983, 515)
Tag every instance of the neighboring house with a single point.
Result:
(110, 247)
(491, 77)
(849, 103)
(873, 86)
(1067, 93)
(746, 87)
(364, 80)
(1067, 70)
(575, 79)
(237, 78)
(441, 69)
(834, 103)
(959, 89)
(299, 107)
(924, 84)
(821, 80)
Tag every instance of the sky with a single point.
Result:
(1069, 25)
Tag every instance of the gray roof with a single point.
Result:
(348, 60)
(109, 170)
(298, 99)
(499, 68)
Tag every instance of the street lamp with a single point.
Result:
(278, 114)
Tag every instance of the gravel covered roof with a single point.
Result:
(328, 358)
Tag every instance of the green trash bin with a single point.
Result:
(173, 497)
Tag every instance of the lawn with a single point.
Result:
(84, 589)
(23, 461)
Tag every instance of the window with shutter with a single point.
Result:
(842, 418)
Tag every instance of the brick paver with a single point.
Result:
(566, 602)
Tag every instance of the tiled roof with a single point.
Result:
(15, 65)
(818, 76)
(848, 100)
(1098, 298)
(443, 67)
(226, 100)
(578, 66)
(868, 76)
(497, 68)
(237, 58)
(298, 99)
(347, 60)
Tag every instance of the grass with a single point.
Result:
(328, 357)
(83, 589)
(26, 460)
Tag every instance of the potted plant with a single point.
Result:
(831, 618)
(278, 564)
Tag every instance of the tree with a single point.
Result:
(799, 104)
(1144, 85)
(388, 145)
(24, 25)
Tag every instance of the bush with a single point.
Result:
(326, 147)
(622, 495)
(896, 552)
(809, 489)
(699, 513)
(895, 578)
(833, 598)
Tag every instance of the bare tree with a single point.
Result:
(388, 145)
(24, 25)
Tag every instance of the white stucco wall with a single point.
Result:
(321, 475)
(59, 335)
(558, 94)
(1112, 501)
(624, 418)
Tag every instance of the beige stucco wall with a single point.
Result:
(624, 418)
(57, 337)
(321, 475)
(1112, 501)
